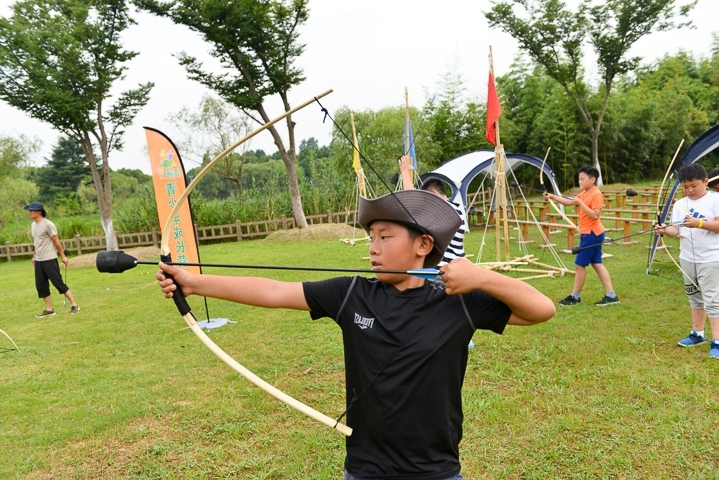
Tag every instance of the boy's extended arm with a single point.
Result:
(256, 291)
(529, 306)
(563, 200)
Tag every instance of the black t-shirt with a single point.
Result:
(405, 359)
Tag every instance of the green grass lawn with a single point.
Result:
(124, 390)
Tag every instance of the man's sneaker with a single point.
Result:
(46, 313)
(607, 301)
(74, 309)
(570, 300)
(692, 340)
(714, 349)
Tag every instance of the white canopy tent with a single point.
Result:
(459, 172)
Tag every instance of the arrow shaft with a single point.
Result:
(423, 272)
(609, 241)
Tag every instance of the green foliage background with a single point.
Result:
(650, 112)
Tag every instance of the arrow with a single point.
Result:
(119, 261)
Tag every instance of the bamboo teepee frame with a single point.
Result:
(504, 260)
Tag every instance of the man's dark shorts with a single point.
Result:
(48, 271)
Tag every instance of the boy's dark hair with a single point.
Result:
(693, 171)
(590, 171)
(432, 184)
(713, 174)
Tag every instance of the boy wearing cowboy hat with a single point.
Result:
(404, 337)
(44, 260)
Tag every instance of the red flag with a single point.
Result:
(494, 111)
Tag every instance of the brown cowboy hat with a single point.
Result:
(420, 210)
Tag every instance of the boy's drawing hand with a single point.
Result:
(461, 276)
(690, 222)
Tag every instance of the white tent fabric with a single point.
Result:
(460, 171)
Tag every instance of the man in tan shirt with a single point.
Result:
(47, 269)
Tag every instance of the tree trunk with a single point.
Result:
(289, 159)
(593, 128)
(295, 197)
(598, 128)
(595, 156)
(103, 189)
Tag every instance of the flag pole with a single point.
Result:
(406, 121)
(500, 185)
(409, 136)
(356, 160)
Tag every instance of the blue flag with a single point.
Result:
(409, 142)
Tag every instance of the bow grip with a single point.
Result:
(177, 295)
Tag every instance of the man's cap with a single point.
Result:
(35, 206)
(420, 210)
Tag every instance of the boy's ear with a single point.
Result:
(426, 244)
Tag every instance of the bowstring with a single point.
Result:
(370, 164)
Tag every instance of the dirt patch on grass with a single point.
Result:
(140, 253)
(332, 231)
(123, 456)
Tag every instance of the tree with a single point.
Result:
(380, 136)
(212, 129)
(59, 60)
(15, 153)
(64, 172)
(306, 158)
(454, 123)
(16, 191)
(670, 100)
(256, 42)
(554, 38)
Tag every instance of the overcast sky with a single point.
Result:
(367, 52)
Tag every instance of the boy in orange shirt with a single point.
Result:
(590, 202)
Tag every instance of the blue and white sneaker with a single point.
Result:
(714, 349)
(692, 340)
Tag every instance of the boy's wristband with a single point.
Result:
(701, 222)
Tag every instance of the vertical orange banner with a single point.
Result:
(168, 178)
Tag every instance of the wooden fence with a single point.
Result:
(619, 215)
(218, 233)
(621, 210)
